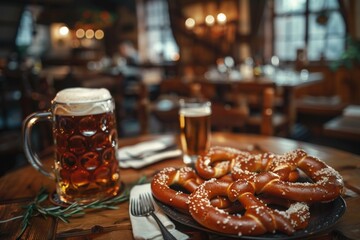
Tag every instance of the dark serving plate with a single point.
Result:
(323, 216)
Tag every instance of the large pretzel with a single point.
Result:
(187, 179)
(326, 185)
(271, 173)
(207, 168)
(257, 219)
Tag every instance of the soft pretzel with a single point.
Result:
(205, 163)
(274, 174)
(229, 157)
(257, 219)
(187, 179)
(327, 183)
(241, 180)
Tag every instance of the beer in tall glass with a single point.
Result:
(194, 118)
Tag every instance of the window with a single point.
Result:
(314, 25)
(25, 32)
(161, 45)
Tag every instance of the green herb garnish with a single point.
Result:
(34, 208)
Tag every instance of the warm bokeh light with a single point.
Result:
(229, 61)
(175, 57)
(221, 18)
(99, 34)
(89, 33)
(80, 33)
(63, 30)
(275, 61)
(190, 23)
(209, 20)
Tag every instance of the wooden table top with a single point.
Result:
(291, 80)
(112, 224)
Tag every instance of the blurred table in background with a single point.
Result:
(285, 82)
(346, 126)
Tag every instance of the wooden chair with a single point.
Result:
(228, 118)
(176, 86)
(245, 107)
(142, 108)
(262, 117)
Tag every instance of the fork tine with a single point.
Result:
(144, 205)
(132, 207)
(150, 201)
(136, 208)
(147, 202)
(139, 207)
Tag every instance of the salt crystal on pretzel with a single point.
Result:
(258, 217)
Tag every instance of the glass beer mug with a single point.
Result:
(85, 139)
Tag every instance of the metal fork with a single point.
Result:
(145, 207)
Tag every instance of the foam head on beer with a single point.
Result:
(196, 112)
(82, 101)
(195, 109)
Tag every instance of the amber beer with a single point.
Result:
(85, 137)
(194, 117)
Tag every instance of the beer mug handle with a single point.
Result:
(32, 157)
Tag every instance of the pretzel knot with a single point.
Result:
(207, 168)
(275, 174)
(258, 217)
(184, 178)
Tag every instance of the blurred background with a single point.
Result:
(149, 53)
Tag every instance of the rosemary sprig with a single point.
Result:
(34, 208)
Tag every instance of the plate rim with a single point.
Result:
(339, 212)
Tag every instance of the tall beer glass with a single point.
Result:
(85, 139)
(194, 116)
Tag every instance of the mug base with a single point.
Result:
(55, 199)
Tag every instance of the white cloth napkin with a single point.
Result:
(146, 227)
(124, 154)
(352, 111)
